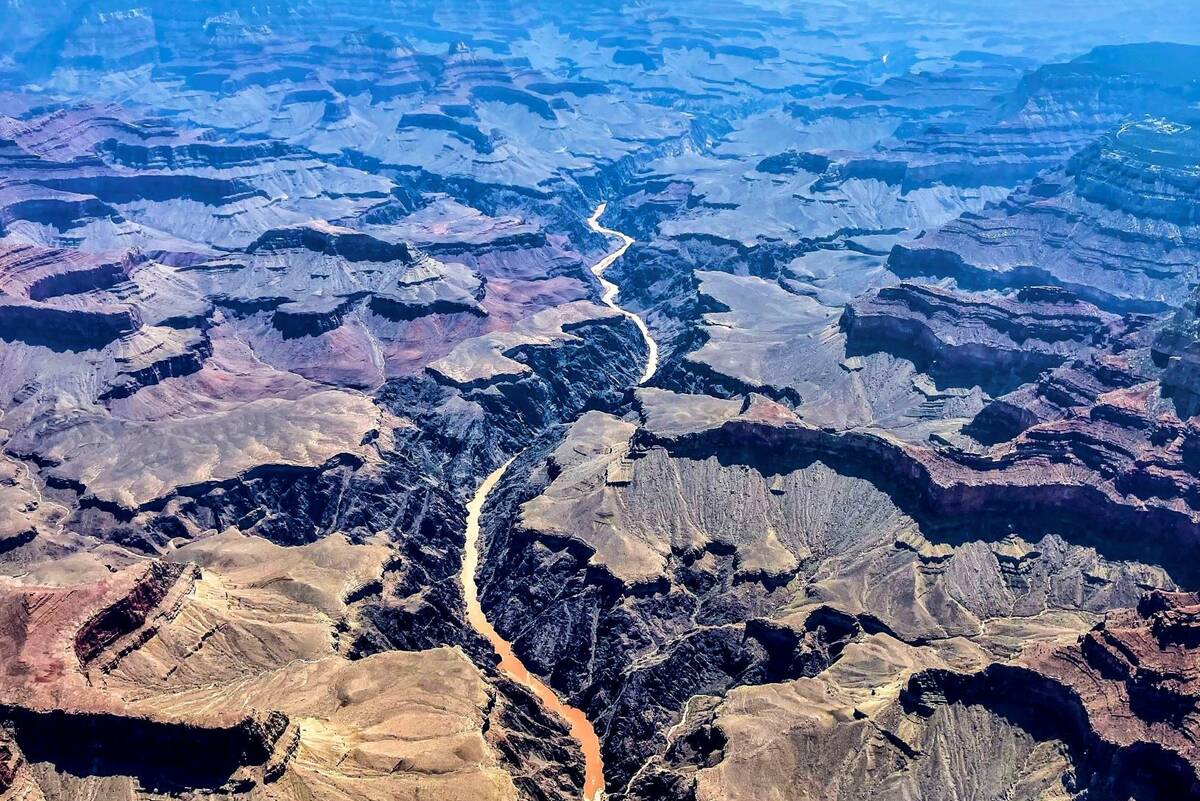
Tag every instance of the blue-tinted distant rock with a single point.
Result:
(1116, 225)
(281, 283)
(976, 338)
(1147, 168)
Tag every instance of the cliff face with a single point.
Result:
(987, 341)
(156, 755)
(1126, 693)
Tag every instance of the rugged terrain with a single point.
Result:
(842, 361)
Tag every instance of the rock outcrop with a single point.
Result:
(980, 340)
(1126, 691)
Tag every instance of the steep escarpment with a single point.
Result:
(1124, 691)
(129, 613)
(643, 653)
(1108, 458)
(157, 755)
(963, 339)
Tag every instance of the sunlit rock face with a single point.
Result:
(889, 488)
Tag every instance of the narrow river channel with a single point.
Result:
(609, 297)
(581, 728)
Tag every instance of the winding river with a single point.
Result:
(609, 296)
(581, 728)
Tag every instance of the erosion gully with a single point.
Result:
(580, 727)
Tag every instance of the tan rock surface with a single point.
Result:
(234, 626)
(485, 359)
(133, 463)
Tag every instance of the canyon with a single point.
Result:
(631, 401)
(580, 727)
